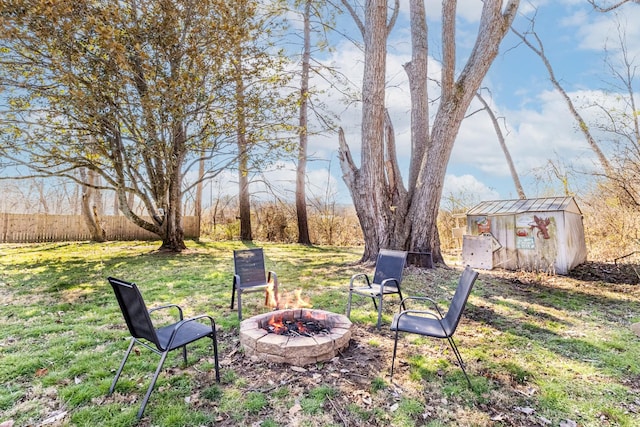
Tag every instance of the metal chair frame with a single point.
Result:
(386, 280)
(433, 323)
(164, 339)
(250, 275)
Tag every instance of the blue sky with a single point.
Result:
(539, 126)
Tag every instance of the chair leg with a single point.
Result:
(379, 324)
(152, 385)
(233, 294)
(348, 313)
(239, 304)
(454, 347)
(124, 360)
(393, 358)
(401, 300)
(214, 338)
(184, 354)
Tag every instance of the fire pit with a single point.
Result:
(312, 336)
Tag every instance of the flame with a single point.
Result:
(277, 324)
(301, 328)
(294, 299)
(289, 300)
(270, 297)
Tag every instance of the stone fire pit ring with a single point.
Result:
(295, 350)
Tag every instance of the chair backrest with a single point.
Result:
(390, 263)
(465, 283)
(249, 265)
(134, 310)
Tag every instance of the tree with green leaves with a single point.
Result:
(127, 89)
(262, 106)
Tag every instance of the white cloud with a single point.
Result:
(539, 125)
(467, 189)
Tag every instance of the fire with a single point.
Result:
(290, 300)
(276, 324)
(270, 297)
(299, 302)
(287, 301)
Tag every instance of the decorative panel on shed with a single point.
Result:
(477, 252)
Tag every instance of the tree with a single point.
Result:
(601, 8)
(537, 47)
(261, 104)
(126, 89)
(503, 146)
(367, 184)
(619, 122)
(301, 169)
(316, 17)
(390, 214)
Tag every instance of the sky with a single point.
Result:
(537, 124)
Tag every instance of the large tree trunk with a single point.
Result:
(389, 215)
(171, 229)
(368, 185)
(455, 99)
(89, 207)
(301, 198)
(244, 200)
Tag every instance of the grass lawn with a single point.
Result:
(540, 350)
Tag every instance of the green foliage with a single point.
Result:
(255, 402)
(378, 384)
(137, 102)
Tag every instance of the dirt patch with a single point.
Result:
(355, 372)
(607, 272)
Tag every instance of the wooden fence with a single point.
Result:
(26, 228)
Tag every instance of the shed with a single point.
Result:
(544, 234)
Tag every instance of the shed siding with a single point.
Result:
(534, 234)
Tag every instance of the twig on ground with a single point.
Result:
(335, 407)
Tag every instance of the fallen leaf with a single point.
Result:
(525, 410)
(568, 423)
(55, 417)
(298, 369)
(394, 407)
(42, 372)
(295, 409)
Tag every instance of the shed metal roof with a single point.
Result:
(507, 207)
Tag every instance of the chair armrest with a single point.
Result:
(181, 323)
(434, 304)
(168, 306)
(359, 275)
(385, 281)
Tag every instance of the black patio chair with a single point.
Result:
(159, 340)
(386, 280)
(432, 323)
(250, 275)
